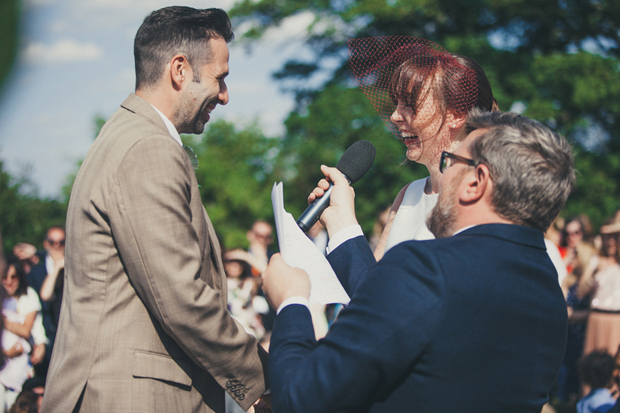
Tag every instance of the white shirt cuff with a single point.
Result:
(294, 300)
(344, 235)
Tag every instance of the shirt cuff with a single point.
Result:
(344, 235)
(294, 300)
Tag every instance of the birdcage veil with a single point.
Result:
(390, 69)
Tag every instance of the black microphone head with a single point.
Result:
(357, 160)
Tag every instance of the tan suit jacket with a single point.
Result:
(144, 325)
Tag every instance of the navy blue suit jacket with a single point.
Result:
(471, 323)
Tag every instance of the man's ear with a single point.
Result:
(180, 70)
(475, 185)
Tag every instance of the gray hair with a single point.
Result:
(531, 166)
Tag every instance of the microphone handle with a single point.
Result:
(312, 214)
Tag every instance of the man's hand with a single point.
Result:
(281, 281)
(16, 350)
(24, 251)
(38, 352)
(58, 256)
(59, 261)
(263, 405)
(341, 210)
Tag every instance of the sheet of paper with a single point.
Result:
(299, 251)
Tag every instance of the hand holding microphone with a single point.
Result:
(337, 194)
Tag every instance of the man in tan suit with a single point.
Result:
(144, 325)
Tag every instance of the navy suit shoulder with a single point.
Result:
(471, 323)
(351, 261)
(389, 323)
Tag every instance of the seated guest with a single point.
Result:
(473, 321)
(23, 325)
(596, 371)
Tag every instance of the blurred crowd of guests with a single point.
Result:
(31, 298)
(588, 265)
(589, 274)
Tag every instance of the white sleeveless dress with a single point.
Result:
(410, 221)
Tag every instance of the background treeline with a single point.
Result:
(556, 61)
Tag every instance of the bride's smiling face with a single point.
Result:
(422, 130)
(421, 117)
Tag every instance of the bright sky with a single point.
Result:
(76, 62)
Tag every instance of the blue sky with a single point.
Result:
(76, 62)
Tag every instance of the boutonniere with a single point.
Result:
(193, 158)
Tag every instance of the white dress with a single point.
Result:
(410, 221)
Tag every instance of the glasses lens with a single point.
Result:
(443, 165)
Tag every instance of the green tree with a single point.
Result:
(557, 60)
(9, 36)
(235, 174)
(24, 217)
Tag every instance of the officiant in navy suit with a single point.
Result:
(473, 321)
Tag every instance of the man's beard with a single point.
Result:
(441, 219)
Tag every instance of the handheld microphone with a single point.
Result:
(353, 164)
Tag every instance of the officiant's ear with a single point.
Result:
(180, 71)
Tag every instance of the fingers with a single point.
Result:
(319, 191)
(334, 175)
(24, 251)
(17, 349)
(281, 281)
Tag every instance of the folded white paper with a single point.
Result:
(299, 251)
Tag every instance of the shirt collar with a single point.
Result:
(49, 263)
(171, 129)
(463, 229)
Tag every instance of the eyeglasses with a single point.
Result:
(448, 159)
(56, 243)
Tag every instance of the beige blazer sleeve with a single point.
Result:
(151, 221)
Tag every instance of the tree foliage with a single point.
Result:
(235, 174)
(9, 26)
(555, 60)
(24, 217)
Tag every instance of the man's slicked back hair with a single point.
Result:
(531, 166)
(177, 30)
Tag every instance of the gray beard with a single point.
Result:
(441, 220)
